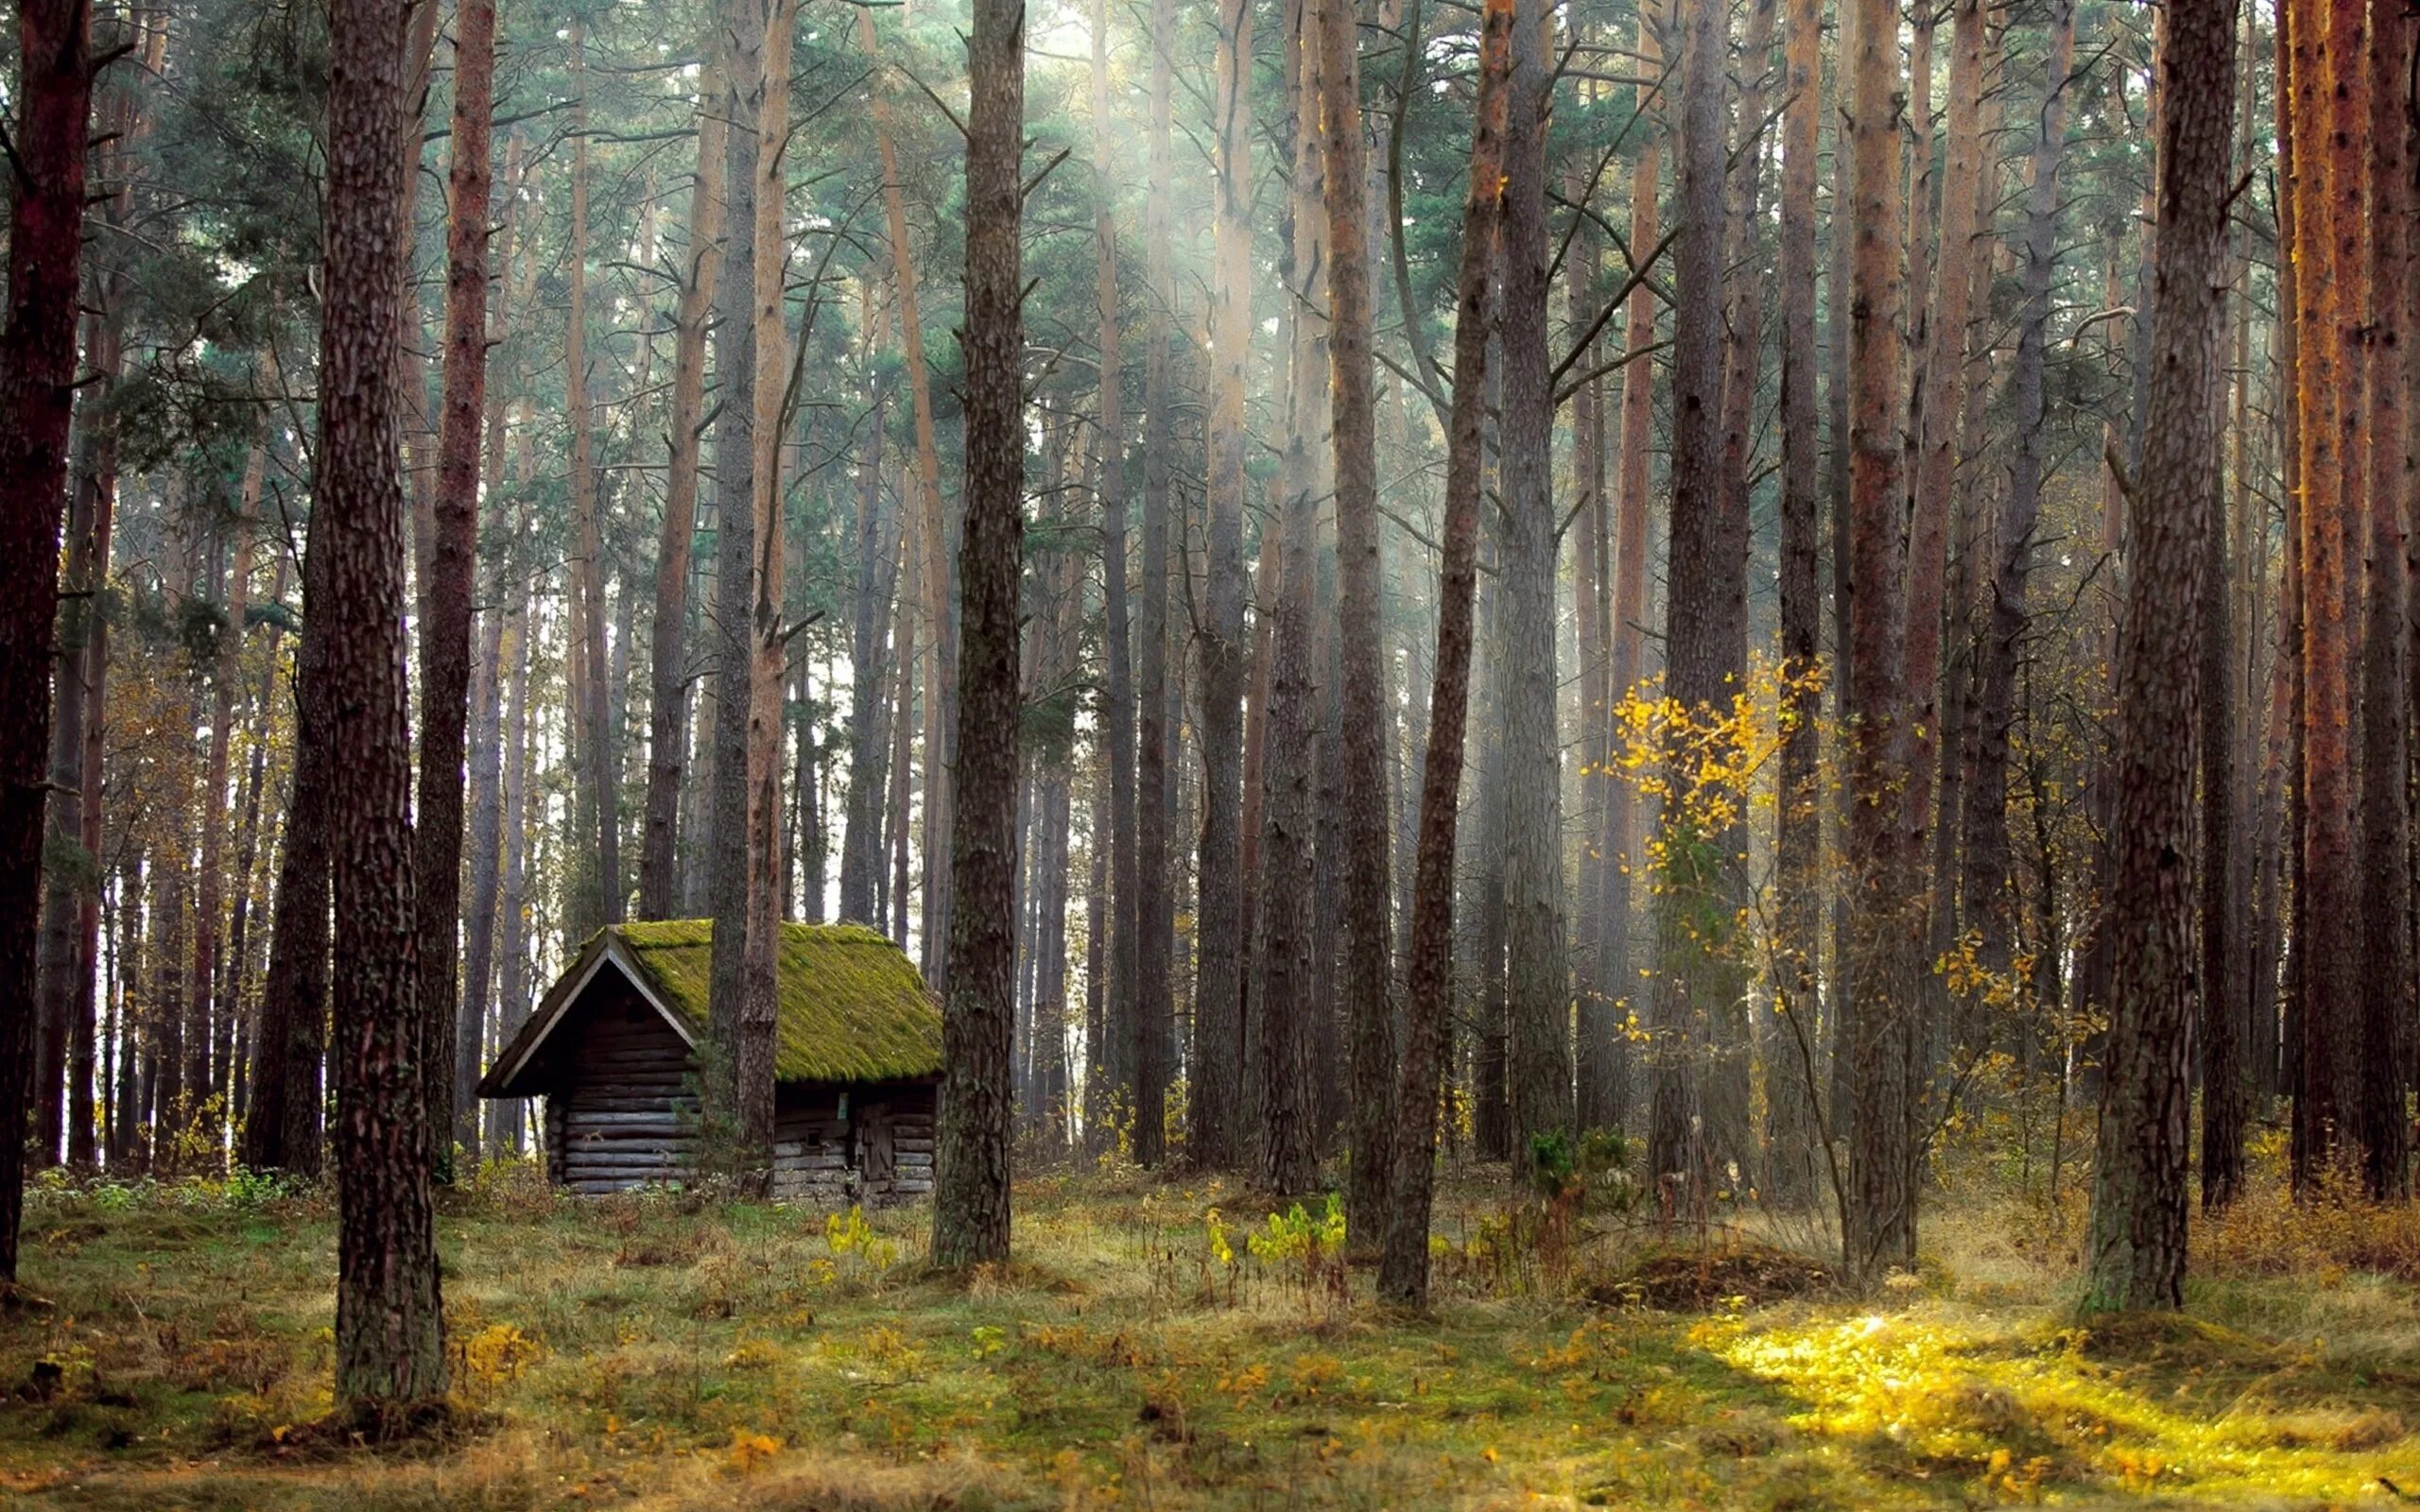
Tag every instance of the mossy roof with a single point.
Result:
(854, 1007)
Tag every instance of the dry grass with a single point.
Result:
(670, 1353)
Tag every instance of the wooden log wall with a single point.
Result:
(628, 1113)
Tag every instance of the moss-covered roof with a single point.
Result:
(853, 1006)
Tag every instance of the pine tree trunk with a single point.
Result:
(878, 556)
(1538, 1075)
(1222, 948)
(52, 107)
(506, 1118)
(2385, 826)
(1878, 1035)
(389, 1353)
(937, 553)
(971, 1165)
(753, 1047)
(1705, 648)
(2135, 1252)
(1733, 1034)
(1284, 999)
(1991, 909)
(1125, 958)
(487, 863)
(1403, 1275)
(2331, 91)
(1367, 943)
(1792, 1074)
(59, 964)
(593, 744)
(667, 743)
(446, 628)
(1630, 546)
(728, 878)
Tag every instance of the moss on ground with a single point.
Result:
(663, 1352)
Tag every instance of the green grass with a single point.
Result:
(668, 1354)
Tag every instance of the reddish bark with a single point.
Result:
(53, 101)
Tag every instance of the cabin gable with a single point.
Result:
(620, 1088)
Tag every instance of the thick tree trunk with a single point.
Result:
(53, 108)
(729, 873)
(283, 1129)
(1368, 933)
(1281, 805)
(1403, 1274)
(1698, 978)
(1879, 1033)
(2385, 825)
(2331, 97)
(446, 630)
(2135, 1253)
(389, 1351)
(752, 1046)
(668, 745)
(971, 1164)
(1538, 1075)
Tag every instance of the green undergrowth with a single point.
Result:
(1173, 1345)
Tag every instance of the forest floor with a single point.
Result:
(173, 1351)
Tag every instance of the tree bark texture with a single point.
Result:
(668, 743)
(1403, 1272)
(53, 108)
(388, 1330)
(1219, 988)
(977, 1105)
(2135, 1251)
(445, 631)
(1879, 1030)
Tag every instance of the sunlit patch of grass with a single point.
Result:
(2013, 1404)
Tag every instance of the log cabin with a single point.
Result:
(612, 1053)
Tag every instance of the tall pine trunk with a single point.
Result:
(2135, 1253)
(971, 1164)
(53, 108)
(1219, 983)
(1793, 1075)
(1538, 1072)
(446, 630)
(1368, 944)
(1697, 979)
(389, 1353)
(1879, 1030)
(1139, 1039)
(668, 679)
(1403, 1275)
(730, 875)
